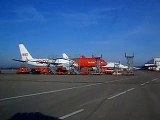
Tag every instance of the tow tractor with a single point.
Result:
(23, 70)
(41, 70)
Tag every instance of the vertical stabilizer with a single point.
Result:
(24, 53)
(65, 56)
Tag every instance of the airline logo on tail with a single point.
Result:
(25, 54)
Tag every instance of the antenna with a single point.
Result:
(92, 55)
(101, 56)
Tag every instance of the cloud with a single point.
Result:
(84, 19)
(91, 17)
(25, 14)
(121, 38)
(28, 14)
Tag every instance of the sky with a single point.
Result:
(49, 28)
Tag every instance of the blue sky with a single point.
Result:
(80, 27)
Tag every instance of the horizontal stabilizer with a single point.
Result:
(19, 60)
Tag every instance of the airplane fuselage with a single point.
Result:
(90, 62)
(40, 62)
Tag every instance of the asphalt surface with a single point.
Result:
(76, 97)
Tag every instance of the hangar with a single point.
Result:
(153, 64)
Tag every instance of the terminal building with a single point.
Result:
(153, 64)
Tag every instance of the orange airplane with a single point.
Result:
(90, 62)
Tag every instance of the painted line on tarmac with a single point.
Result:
(143, 84)
(54, 91)
(48, 92)
(92, 101)
(149, 82)
(100, 99)
(71, 114)
(115, 80)
(130, 89)
(121, 93)
(116, 94)
(155, 79)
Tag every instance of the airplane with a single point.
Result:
(114, 64)
(66, 61)
(26, 57)
(90, 62)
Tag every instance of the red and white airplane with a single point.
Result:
(90, 62)
(27, 58)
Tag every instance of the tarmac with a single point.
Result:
(80, 97)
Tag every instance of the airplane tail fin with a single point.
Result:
(24, 53)
(65, 56)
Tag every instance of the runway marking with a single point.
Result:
(54, 91)
(120, 93)
(114, 96)
(48, 92)
(92, 101)
(143, 84)
(149, 82)
(155, 79)
(71, 114)
(130, 89)
(115, 80)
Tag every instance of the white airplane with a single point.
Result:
(26, 57)
(114, 64)
(65, 61)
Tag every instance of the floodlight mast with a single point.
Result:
(117, 67)
(129, 61)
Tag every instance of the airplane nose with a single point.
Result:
(103, 63)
